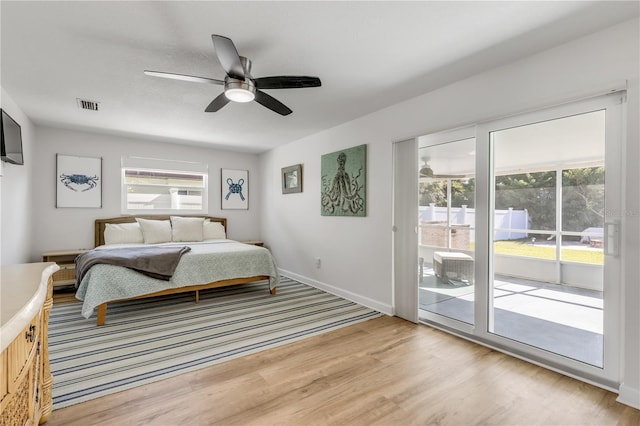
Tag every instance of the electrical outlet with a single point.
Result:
(318, 262)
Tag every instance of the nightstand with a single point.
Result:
(254, 243)
(66, 260)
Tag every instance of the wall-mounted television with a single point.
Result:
(11, 135)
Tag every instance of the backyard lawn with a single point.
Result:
(520, 248)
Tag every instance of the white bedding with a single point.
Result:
(206, 262)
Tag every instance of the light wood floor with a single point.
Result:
(64, 295)
(384, 371)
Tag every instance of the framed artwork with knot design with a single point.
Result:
(235, 189)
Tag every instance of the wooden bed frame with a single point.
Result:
(100, 225)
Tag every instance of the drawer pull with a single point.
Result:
(31, 334)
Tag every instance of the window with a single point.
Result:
(164, 186)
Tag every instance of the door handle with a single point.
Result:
(612, 238)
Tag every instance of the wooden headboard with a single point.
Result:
(101, 223)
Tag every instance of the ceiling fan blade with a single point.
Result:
(183, 77)
(217, 103)
(286, 82)
(228, 56)
(272, 103)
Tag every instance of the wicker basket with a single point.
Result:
(67, 272)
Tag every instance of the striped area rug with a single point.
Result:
(149, 340)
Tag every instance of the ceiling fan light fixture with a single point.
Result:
(239, 91)
(240, 95)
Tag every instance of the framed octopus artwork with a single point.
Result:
(344, 182)
(235, 189)
(78, 181)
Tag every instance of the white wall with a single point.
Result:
(356, 253)
(15, 193)
(70, 228)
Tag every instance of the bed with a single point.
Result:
(207, 260)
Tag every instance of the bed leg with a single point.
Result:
(272, 290)
(102, 314)
(197, 296)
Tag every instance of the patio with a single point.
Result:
(561, 319)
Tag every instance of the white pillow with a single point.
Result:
(155, 231)
(213, 230)
(123, 233)
(186, 228)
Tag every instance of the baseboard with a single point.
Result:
(629, 396)
(356, 298)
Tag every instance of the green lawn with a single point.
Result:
(519, 248)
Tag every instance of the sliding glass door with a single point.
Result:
(520, 250)
(446, 236)
(554, 191)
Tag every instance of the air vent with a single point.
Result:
(89, 105)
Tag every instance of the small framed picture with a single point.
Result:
(235, 189)
(78, 181)
(292, 179)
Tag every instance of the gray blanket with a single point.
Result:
(156, 262)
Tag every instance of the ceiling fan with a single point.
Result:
(239, 84)
(427, 172)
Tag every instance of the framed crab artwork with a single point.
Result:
(235, 189)
(78, 181)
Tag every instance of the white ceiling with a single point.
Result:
(369, 55)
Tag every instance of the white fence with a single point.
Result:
(503, 219)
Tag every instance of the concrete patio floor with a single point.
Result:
(560, 319)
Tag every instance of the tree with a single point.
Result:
(435, 191)
(463, 192)
(535, 192)
(583, 198)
